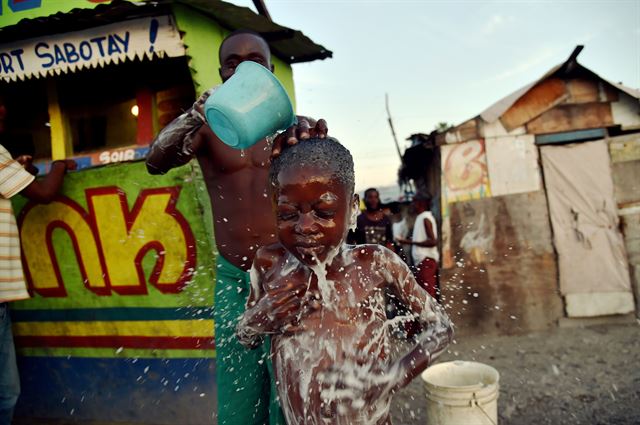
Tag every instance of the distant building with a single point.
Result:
(540, 203)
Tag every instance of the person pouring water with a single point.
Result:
(236, 181)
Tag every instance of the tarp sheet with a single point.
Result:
(590, 247)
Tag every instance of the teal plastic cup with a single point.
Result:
(249, 106)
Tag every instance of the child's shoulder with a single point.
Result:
(371, 252)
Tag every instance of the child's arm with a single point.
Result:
(269, 311)
(342, 390)
(437, 331)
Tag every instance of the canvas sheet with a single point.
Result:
(592, 257)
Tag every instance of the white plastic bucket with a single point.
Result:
(461, 392)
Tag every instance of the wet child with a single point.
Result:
(322, 301)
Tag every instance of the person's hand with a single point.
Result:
(27, 162)
(306, 128)
(281, 310)
(69, 164)
(403, 240)
(24, 159)
(198, 106)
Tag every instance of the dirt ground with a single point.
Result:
(588, 375)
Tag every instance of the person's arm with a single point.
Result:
(177, 143)
(273, 311)
(438, 328)
(44, 190)
(429, 242)
(381, 381)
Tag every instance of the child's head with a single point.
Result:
(422, 202)
(312, 186)
(372, 199)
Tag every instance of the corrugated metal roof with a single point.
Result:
(570, 67)
(288, 44)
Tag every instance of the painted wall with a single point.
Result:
(625, 168)
(504, 273)
(121, 270)
(499, 269)
(202, 38)
(12, 11)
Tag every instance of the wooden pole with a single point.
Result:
(393, 131)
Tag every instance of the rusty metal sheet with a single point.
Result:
(504, 275)
(582, 90)
(572, 117)
(466, 131)
(536, 101)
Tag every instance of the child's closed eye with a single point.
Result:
(286, 216)
(325, 213)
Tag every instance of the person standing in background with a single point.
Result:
(17, 176)
(373, 226)
(424, 246)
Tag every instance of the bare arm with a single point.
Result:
(429, 242)
(438, 328)
(380, 381)
(177, 143)
(43, 191)
(272, 311)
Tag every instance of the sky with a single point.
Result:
(441, 62)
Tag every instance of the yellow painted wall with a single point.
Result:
(202, 39)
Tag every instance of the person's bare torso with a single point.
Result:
(241, 205)
(346, 336)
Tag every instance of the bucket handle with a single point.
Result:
(474, 402)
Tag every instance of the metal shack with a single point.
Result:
(540, 204)
(120, 266)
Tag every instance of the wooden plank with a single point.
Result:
(539, 99)
(624, 148)
(587, 91)
(572, 117)
(468, 130)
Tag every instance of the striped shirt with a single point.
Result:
(13, 179)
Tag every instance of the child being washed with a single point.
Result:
(323, 302)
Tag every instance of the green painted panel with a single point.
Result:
(127, 211)
(12, 11)
(126, 353)
(202, 38)
(284, 73)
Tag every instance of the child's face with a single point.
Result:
(313, 212)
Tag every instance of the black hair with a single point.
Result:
(394, 207)
(422, 197)
(243, 31)
(326, 153)
(371, 189)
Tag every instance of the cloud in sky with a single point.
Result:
(543, 55)
(495, 22)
